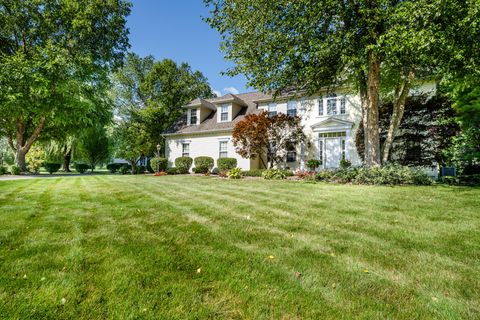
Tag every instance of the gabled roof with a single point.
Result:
(332, 122)
(210, 124)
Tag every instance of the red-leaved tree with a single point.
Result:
(258, 135)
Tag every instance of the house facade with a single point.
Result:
(329, 119)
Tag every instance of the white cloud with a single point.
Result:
(218, 93)
(232, 90)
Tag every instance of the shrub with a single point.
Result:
(125, 169)
(203, 164)
(81, 167)
(224, 174)
(313, 164)
(149, 166)
(15, 170)
(448, 180)
(183, 164)
(140, 169)
(3, 170)
(215, 171)
(253, 173)
(473, 179)
(274, 174)
(305, 175)
(235, 173)
(172, 170)
(159, 164)
(226, 164)
(114, 167)
(344, 164)
(52, 167)
(324, 175)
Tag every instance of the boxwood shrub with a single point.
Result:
(203, 164)
(183, 164)
(81, 167)
(52, 167)
(172, 170)
(226, 164)
(159, 164)
(114, 167)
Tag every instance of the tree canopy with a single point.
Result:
(54, 57)
(373, 46)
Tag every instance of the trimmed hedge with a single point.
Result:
(81, 167)
(159, 164)
(253, 173)
(114, 167)
(203, 164)
(172, 170)
(183, 164)
(52, 167)
(226, 164)
(387, 175)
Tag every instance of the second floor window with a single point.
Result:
(223, 153)
(272, 109)
(224, 112)
(320, 106)
(332, 105)
(343, 105)
(185, 150)
(292, 108)
(193, 116)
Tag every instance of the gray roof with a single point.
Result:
(210, 124)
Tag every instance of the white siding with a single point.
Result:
(203, 146)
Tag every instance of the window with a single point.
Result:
(292, 108)
(332, 134)
(185, 149)
(193, 116)
(272, 109)
(343, 105)
(224, 112)
(320, 151)
(223, 153)
(343, 149)
(320, 106)
(332, 105)
(291, 153)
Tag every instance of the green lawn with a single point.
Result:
(179, 247)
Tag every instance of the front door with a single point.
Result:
(333, 152)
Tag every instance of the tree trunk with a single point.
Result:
(22, 144)
(370, 112)
(20, 159)
(400, 98)
(67, 157)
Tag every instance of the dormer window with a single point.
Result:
(292, 108)
(224, 112)
(193, 116)
(272, 109)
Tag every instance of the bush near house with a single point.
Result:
(3, 170)
(226, 164)
(253, 173)
(52, 167)
(313, 164)
(140, 169)
(203, 164)
(125, 168)
(386, 175)
(81, 167)
(275, 174)
(183, 164)
(159, 164)
(114, 167)
(172, 170)
(234, 173)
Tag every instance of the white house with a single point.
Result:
(330, 120)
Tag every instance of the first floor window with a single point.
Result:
(185, 149)
(291, 153)
(224, 112)
(292, 108)
(193, 116)
(272, 109)
(223, 153)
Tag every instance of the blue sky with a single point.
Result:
(174, 29)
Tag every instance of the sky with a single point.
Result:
(174, 29)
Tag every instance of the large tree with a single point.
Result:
(94, 146)
(308, 45)
(54, 54)
(152, 93)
